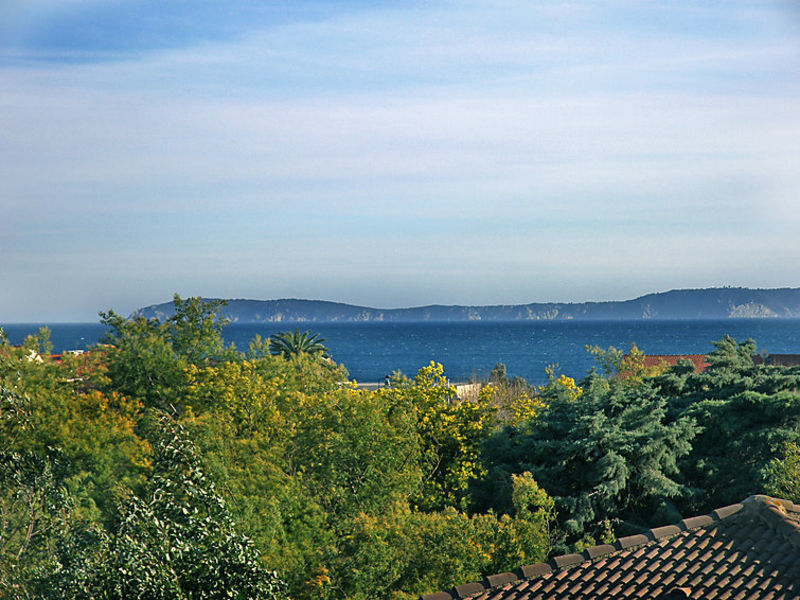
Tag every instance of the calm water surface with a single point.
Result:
(371, 350)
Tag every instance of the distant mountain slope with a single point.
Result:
(711, 303)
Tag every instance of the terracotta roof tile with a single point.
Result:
(721, 513)
(700, 361)
(468, 589)
(439, 596)
(530, 571)
(596, 551)
(499, 579)
(745, 551)
(694, 522)
(631, 541)
(666, 531)
(559, 562)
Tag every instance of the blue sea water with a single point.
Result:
(369, 351)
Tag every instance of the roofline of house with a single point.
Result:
(771, 510)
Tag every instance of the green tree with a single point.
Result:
(293, 343)
(782, 474)
(357, 452)
(195, 331)
(39, 343)
(404, 553)
(633, 370)
(141, 361)
(34, 505)
(744, 412)
(147, 358)
(297, 466)
(305, 373)
(177, 542)
(609, 456)
(609, 360)
(728, 354)
(498, 374)
(512, 397)
(53, 405)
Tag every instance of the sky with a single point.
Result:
(393, 154)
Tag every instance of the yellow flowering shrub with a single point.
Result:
(451, 433)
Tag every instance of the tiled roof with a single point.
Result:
(700, 361)
(745, 551)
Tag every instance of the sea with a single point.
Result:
(469, 350)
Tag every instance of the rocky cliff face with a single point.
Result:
(751, 310)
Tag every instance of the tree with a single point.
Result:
(39, 342)
(498, 374)
(148, 358)
(629, 368)
(294, 343)
(728, 354)
(782, 474)
(744, 412)
(195, 331)
(512, 397)
(54, 405)
(34, 505)
(177, 542)
(611, 455)
(451, 434)
(141, 361)
(297, 466)
(357, 452)
(633, 370)
(404, 553)
(609, 361)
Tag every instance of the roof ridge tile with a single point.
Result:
(666, 531)
(465, 590)
(726, 511)
(630, 541)
(566, 560)
(437, 596)
(696, 522)
(534, 570)
(493, 581)
(593, 552)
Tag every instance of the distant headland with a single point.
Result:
(708, 303)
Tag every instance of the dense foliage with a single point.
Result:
(167, 464)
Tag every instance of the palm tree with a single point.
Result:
(294, 343)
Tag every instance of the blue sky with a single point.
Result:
(393, 153)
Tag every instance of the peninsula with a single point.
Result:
(707, 303)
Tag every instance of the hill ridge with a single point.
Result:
(697, 303)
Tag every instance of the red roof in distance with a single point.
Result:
(700, 361)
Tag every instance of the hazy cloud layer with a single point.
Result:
(389, 155)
